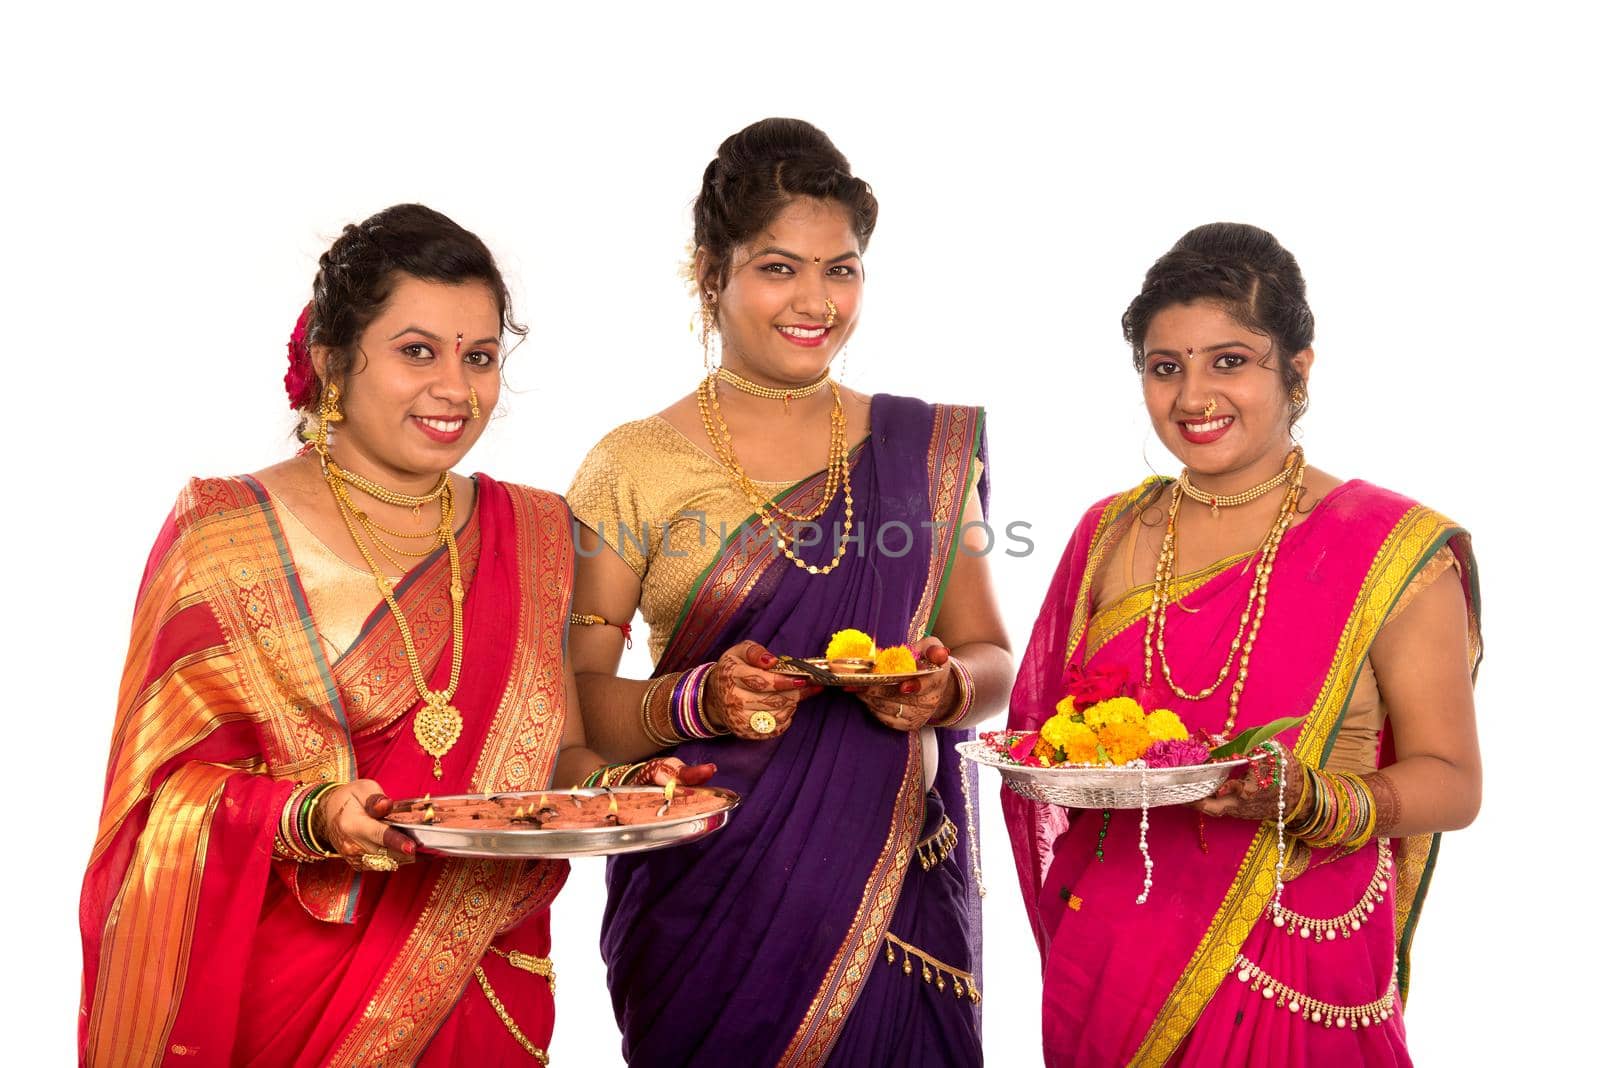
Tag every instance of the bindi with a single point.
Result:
(459, 336)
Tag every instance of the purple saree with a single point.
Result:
(766, 943)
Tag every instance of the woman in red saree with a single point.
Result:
(1370, 630)
(304, 640)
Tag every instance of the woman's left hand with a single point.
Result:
(909, 705)
(1245, 798)
(661, 770)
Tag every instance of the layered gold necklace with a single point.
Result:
(1255, 607)
(437, 724)
(770, 511)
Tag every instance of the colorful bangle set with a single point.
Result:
(657, 729)
(297, 838)
(607, 775)
(964, 699)
(1335, 809)
(688, 703)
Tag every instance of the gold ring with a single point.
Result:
(377, 862)
(763, 723)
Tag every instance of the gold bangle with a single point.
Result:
(656, 737)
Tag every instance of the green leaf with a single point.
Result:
(1101, 754)
(1255, 736)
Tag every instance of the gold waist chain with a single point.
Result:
(933, 969)
(540, 966)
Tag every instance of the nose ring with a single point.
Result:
(833, 312)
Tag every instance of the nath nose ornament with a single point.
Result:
(1211, 406)
(833, 312)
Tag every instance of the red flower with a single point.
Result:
(300, 380)
(1099, 684)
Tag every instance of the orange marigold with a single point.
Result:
(1124, 741)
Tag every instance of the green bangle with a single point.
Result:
(308, 809)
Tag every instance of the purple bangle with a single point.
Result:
(686, 704)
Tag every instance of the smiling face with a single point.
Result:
(773, 313)
(407, 400)
(1215, 392)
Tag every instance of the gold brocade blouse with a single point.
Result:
(1355, 748)
(665, 506)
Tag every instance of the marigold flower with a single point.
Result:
(1124, 741)
(1123, 710)
(1165, 726)
(850, 644)
(1062, 733)
(895, 660)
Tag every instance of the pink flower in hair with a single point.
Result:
(300, 380)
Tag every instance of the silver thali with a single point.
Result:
(1105, 787)
(464, 840)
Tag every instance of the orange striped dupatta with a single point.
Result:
(198, 949)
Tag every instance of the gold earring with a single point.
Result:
(472, 395)
(328, 413)
(708, 327)
(833, 313)
(1298, 396)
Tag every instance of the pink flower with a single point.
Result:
(1176, 753)
(300, 380)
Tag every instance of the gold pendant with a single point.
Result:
(437, 726)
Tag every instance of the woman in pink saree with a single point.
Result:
(1252, 588)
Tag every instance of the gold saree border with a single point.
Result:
(952, 447)
(143, 967)
(1134, 605)
(847, 975)
(1099, 542)
(474, 900)
(1409, 543)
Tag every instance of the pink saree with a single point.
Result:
(1159, 983)
(199, 948)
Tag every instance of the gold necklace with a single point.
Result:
(1229, 500)
(769, 511)
(1255, 608)
(387, 496)
(437, 724)
(744, 385)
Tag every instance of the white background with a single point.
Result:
(174, 174)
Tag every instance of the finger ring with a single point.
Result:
(377, 862)
(763, 723)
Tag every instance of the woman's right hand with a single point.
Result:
(743, 696)
(349, 820)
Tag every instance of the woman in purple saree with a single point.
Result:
(835, 919)
(1371, 633)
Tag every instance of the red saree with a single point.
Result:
(199, 948)
(1156, 983)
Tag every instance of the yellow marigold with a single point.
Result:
(1066, 707)
(1124, 741)
(850, 644)
(1164, 726)
(1114, 710)
(1061, 733)
(895, 660)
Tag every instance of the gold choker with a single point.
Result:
(1229, 500)
(744, 385)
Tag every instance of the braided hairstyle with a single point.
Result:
(1244, 269)
(756, 174)
(357, 274)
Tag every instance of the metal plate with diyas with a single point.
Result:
(1105, 787)
(461, 839)
(838, 672)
